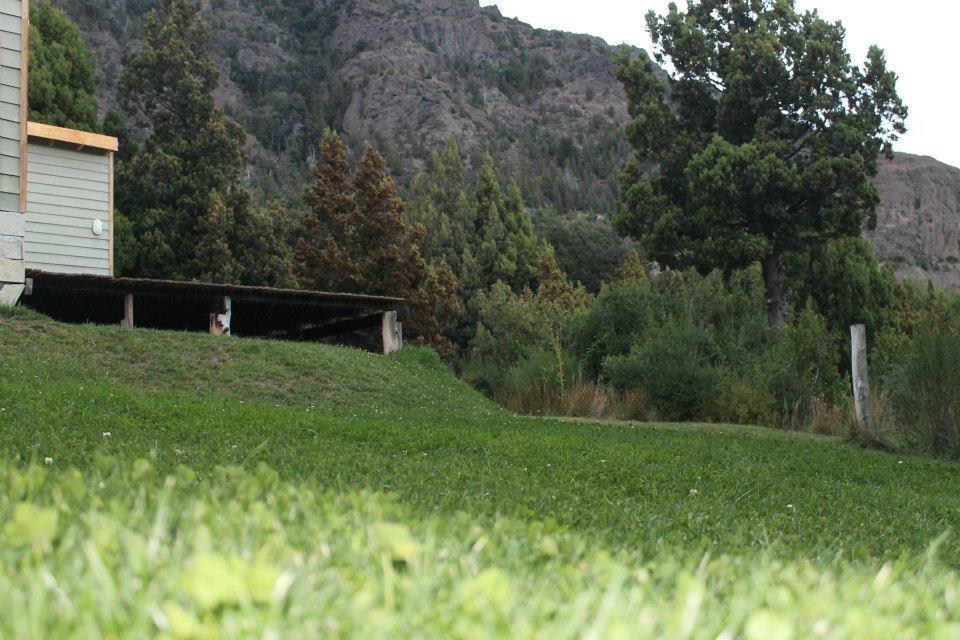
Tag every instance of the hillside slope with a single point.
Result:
(192, 486)
(407, 75)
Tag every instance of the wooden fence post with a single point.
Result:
(127, 311)
(220, 322)
(392, 333)
(861, 379)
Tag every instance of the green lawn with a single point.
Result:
(258, 489)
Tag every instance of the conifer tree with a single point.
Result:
(767, 144)
(354, 238)
(62, 76)
(193, 157)
(632, 269)
(440, 202)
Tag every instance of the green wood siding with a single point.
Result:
(11, 59)
(66, 191)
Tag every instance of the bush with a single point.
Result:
(741, 403)
(800, 362)
(730, 310)
(509, 328)
(926, 394)
(673, 369)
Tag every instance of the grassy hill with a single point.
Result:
(209, 487)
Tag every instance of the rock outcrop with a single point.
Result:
(918, 221)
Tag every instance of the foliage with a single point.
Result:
(354, 238)
(485, 234)
(846, 284)
(694, 345)
(515, 328)
(925, 394)
(481, 230)
(507, 248)
(631, 270)
(767, 143)
(674, 367)
(508, 328)
(586, 246)
(801, 364)
(181, 191)
(556, 302)
(441, 202)
(62, 78)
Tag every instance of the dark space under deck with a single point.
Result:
(187, 306)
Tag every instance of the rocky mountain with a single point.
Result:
(918, 222)
(406, 74)
(403, 75)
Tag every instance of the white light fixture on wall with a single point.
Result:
(97, 227)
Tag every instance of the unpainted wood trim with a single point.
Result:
(80, 139)
(24, 98)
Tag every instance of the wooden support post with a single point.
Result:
(220, 322)
(392, 333)
(861, 379)
(127, 311)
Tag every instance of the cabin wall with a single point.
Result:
(13, 74)
(68, 191)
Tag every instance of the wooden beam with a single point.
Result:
(72, 136)
(127, 311)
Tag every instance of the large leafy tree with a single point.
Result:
(354, 238)
(62, 77)
(182, 191)
(761, 144)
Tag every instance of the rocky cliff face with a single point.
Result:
(406, 74)
(918, 222)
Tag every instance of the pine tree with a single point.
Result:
(632, 269)
(194, 156)
(440, 202)
(215, 262)
(354, 238)
(484, 233)
(62, 76)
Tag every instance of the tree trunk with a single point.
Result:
(776, 304)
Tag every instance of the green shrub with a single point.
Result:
(926, 394)
(509, 328)
(741, 403)
(800, 362)
(730, 310)
(542, 367)
(673, 368)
